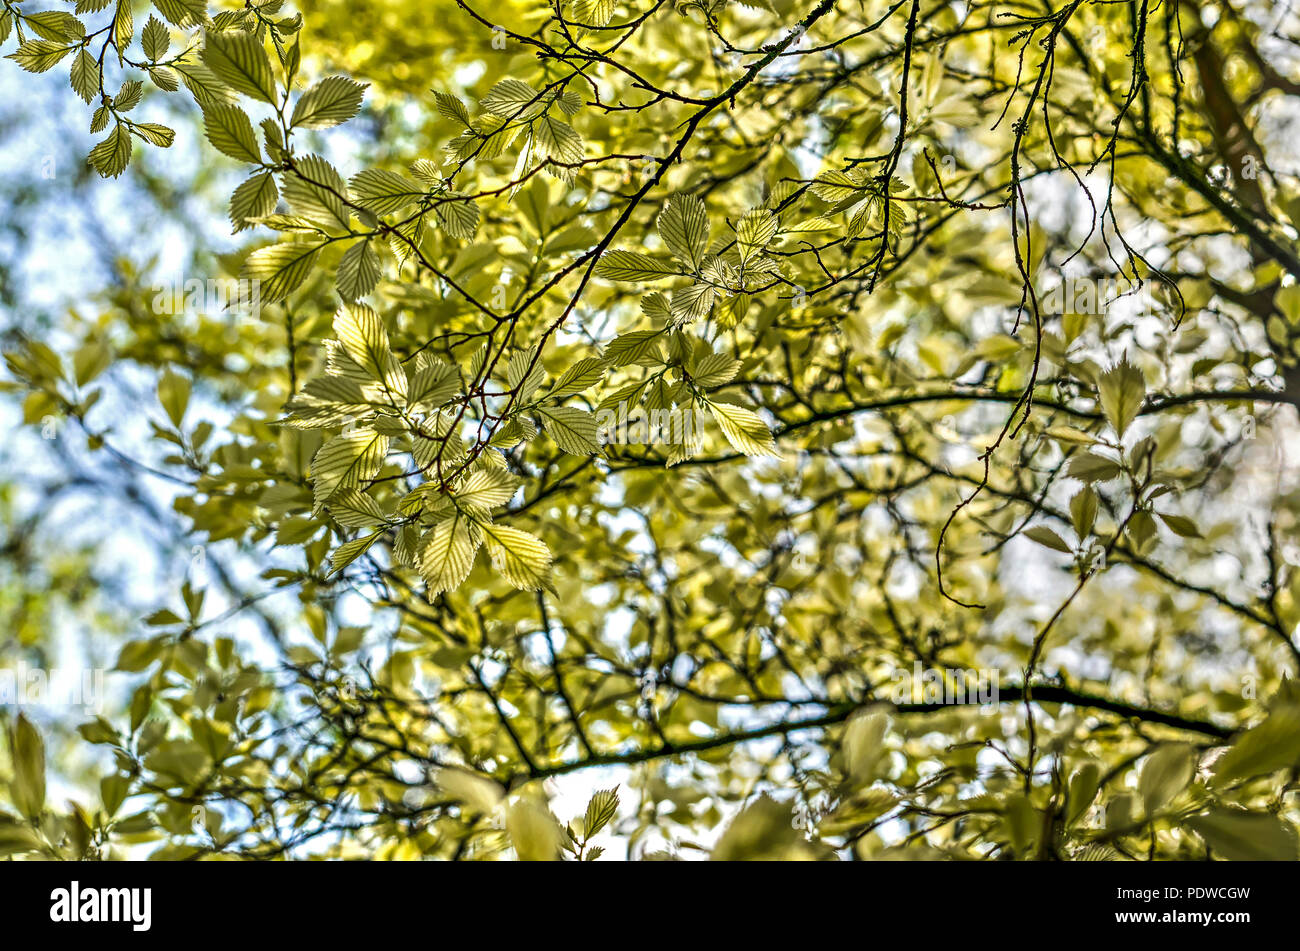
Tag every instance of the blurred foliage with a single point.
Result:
(975, 329)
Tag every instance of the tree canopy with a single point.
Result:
(841, 428)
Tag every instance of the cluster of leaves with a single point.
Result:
(811, 226)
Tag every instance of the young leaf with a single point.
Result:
(154, 39)
(315, 190)
(230, 130)
(183, 13)
(447, 554)
(1048, 538)
(364, 337)
(557, 140)
(1166, 773)
(350, 551)
(508, 97)
(333, 100)
(358, 271)
(253, 199)
(583, 375)
(353, 509)
(111, 156)
(28, 764)
(744, 429)
(84, 76)
(633, 266)
(521, 558)
(1122, 389)
(572, 429)
(346, 461)
(384, 192)
(601, 808)
(36, 56)
(240, 61)
(280, 268)
(433, 383)
(684, 228)
(755, 231)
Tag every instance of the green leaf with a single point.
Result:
(447, 554)
(384, 192)
(572, 429)
(155, 38)
(353, 509)
(280, 268)
(111, 156)
(315, 190)
(240, 61)
(763, 830)
(183, 13)
(583, 375)
(36, 56)
(230, 131)
(524, 374)
(1082, 790)
(449, 107)
(1122, 389)
(485, 489)
(1083, 511)
(433, 383)
(458, 217)
(1167, 772)
(521, 558)
(835, 187)
(1047, 538)
(684, 228)
(28, 754)
(154, 134)
(744, 429)
(1091, 467)
(1180, 526)
(358, 271)
(755, 232)
(16, 838)
(533, 831)
(55, 25)
(1272, 745)
(364, 337)
(557, 140)
(253, 199)
(346, 461)
(508, 97)
(1141, 531)
(601, 809)
(1241, 836)
(715, 369)
(637, 346)
(174, 394)
(202, 83)
(350, 551)
(333, 100)
(692, 302)
(84, 76)
(123, 26)
(128, 97)
(633, 266)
